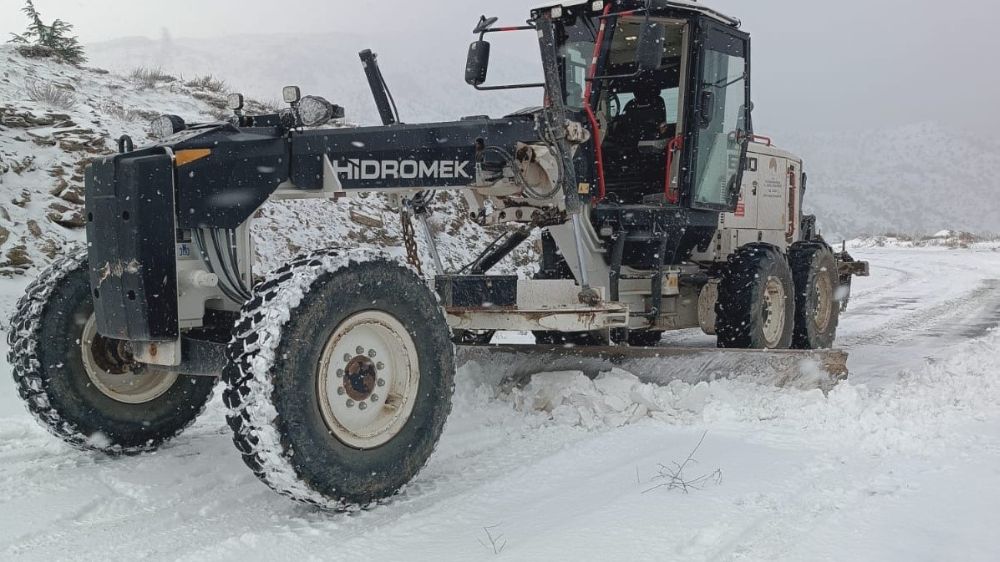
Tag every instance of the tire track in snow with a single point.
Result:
(926, 320)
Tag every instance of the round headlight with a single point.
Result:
(167, 125)
(315, 111)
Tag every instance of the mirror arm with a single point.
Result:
(508, 87)
(483, 32)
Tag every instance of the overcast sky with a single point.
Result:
(830, 65)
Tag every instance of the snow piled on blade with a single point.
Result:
(613, 399)
(908, 416)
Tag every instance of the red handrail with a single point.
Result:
(591, 117)
(673, 195)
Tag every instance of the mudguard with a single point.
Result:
(130, 229)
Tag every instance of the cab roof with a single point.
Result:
(690, 5)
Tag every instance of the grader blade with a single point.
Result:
(805, 370)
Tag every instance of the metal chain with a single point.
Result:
(410, 240)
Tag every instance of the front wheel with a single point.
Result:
(756, 306)
(340, 379)
(84, 388)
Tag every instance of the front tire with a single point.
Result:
(756, 308)
(340, 380)
(82, 387)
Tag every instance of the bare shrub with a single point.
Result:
(147, 78)
(259, 107)
(207, 82)
(672, 477)
(50, 94)
(124, 113)
(35, 51)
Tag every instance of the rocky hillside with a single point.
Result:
(54, 117)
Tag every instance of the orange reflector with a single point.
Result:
(184, 157)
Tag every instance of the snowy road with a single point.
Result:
(901, 463)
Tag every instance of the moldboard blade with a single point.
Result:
(806, 370)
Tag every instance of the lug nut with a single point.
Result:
(360, 350)
(374, 397)
(340, 373)
(380, 365)
(340, 391)
(350, 403)
(347, 357)
(371, 353)
(362, 406)
(381, 382)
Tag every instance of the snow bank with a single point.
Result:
(943, 239)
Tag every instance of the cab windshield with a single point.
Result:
(578, 37)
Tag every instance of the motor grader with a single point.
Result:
(658, 206)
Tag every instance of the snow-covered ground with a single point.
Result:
(899, 463)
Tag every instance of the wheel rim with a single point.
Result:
(773, 311)
(824, 303)
(112, 371)
(369, 375)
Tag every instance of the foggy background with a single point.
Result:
(848, 64)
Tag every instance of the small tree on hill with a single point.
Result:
(55, 36)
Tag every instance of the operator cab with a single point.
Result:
(689, 113)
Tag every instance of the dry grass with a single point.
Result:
(208, 82)
(50, 94)
(147, 78)
(125, 113)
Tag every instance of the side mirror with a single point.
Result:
(706, 111)
(478, 63)
(649, 51)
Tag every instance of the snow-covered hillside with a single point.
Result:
(53, 117)
(917, 179)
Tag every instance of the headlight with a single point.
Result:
(291, 94)
(235, 102)
(166, 126)
(315, 111)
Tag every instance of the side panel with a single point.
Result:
(130, 229)
(435, 155)
(224, 189)
(772, 194)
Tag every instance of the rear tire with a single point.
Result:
(81, 386)
(756, 308)
(817, 311)
(340, 379)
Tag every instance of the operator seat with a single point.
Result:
(631, 172)
(641, 118)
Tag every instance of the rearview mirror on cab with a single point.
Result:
(478, 63)
(649, 51)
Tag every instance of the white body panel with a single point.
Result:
(770, 205)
